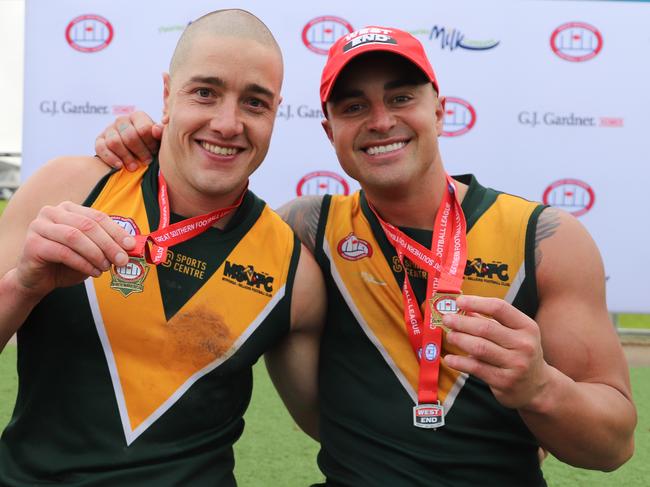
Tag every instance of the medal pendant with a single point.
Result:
(443, 304)
(429, 416)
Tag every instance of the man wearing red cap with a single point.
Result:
(439, 367)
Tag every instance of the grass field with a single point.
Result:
(273, 452)
(3, 203)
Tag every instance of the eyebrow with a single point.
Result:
(220, 83)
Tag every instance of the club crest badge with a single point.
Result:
(354, 248)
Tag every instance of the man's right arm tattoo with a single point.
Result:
(302, 215)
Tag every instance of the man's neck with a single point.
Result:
(416, 208)
(188, 202)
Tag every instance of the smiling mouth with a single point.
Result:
(218, 150)
(384, 149)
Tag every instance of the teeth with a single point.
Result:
(382, 149)
(221, 151)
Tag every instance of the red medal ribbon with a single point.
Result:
(153, 247)
(445, 266)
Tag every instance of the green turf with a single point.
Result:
(3, 203)
(633, 321)
(636, 472)
(273, 452)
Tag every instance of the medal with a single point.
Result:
(429, 416)
(443, 304)
(444, 263)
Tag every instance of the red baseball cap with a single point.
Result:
(371, 39)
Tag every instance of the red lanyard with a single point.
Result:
(445, 266)
(169, 235)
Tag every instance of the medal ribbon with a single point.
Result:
(445, 266)
(153, 247)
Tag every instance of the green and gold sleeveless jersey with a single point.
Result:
(142, 375)
(369, 373)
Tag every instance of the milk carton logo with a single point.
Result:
(320, 33)
(354, 248)
(576, 42)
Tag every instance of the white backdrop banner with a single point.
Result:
(545, 99)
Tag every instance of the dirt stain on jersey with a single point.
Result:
(200, 334)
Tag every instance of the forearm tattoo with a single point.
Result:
(547, 224)
(302, 215)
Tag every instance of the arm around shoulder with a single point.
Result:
(293, 363)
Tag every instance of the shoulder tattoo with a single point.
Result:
(547, 224)
(302, 215)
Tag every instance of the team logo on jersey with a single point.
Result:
(245, 276)
(459, 118)
(430, 352)
(354, 248)
(89, 33)
(494, 272)
(576, 42)
(322, 182)
(571, 195)
(321, 32)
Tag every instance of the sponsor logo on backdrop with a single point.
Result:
(576, 41)
(287, 111)
(453, 39)
(320, 33)
(89, 33)
(246, 277)
(534, 118)
(322, 182)
(166, 29)
(67, 107)
(354, 248)
(459, 119)
(571, 195)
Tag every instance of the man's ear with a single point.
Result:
(327, 127)
(440, 113)
(166, 90)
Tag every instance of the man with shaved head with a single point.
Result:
(141, 300)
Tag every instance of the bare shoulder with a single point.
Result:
(302, 215)
(565, 251)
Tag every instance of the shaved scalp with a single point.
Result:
(223, 23)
